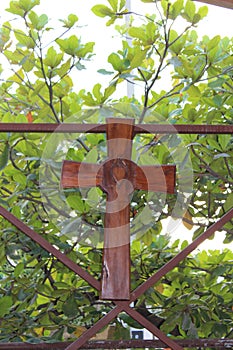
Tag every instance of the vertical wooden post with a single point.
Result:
(115, 282)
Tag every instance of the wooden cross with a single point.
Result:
(118, 177)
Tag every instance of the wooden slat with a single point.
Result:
(101, 128)
(222, 3)
(123, 344)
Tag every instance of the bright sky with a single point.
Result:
(92, 28)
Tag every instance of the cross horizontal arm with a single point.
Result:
(75, 174)
(155, 178)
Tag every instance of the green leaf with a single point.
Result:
(4, 156)
(52, 58)
(85, 49)
(114, 4)
(165, 5)
(137, 32)
(203, 11)
(115, 61)
(138, 59)
(76, 202)
(72, 19)
(176, 8)
(89, 100)
(96, 91)
(15, 9)
(192, 331)
(69, 307)
(218, 100)
(27, 5)
(176, 45)
(186, 322)
(184, 244)
(194, 91)
(43, 20)
(102, 11)
(92, 156)
(189, 11)
(4, 34)
(122, 4)
(20, 178)
(214, 144)
(224, 140)
(38, 22)
(58, 335)
(105, 72)
(213, 42)
(24, 39)
(64, 68)
(151, 33)
(70, 22)
(146, 216)
(28, 62)
(18, 269)
(229, 202)
(2, 247)
(5, 304)
(109, 91)
(70, 45)
(94, 197)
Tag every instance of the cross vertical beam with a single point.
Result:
(115, 282)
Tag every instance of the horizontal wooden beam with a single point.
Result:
(122, 344)
(101, 128)
(222, 3)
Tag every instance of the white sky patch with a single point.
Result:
(93, 28)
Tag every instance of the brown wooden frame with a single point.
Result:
(217, 343)
(120, 306)
(222, 3)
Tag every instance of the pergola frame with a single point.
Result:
(83, 342)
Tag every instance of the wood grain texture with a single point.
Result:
(115, 282)
(156, 178)
(75, 174)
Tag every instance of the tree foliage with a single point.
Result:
(40, 298)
